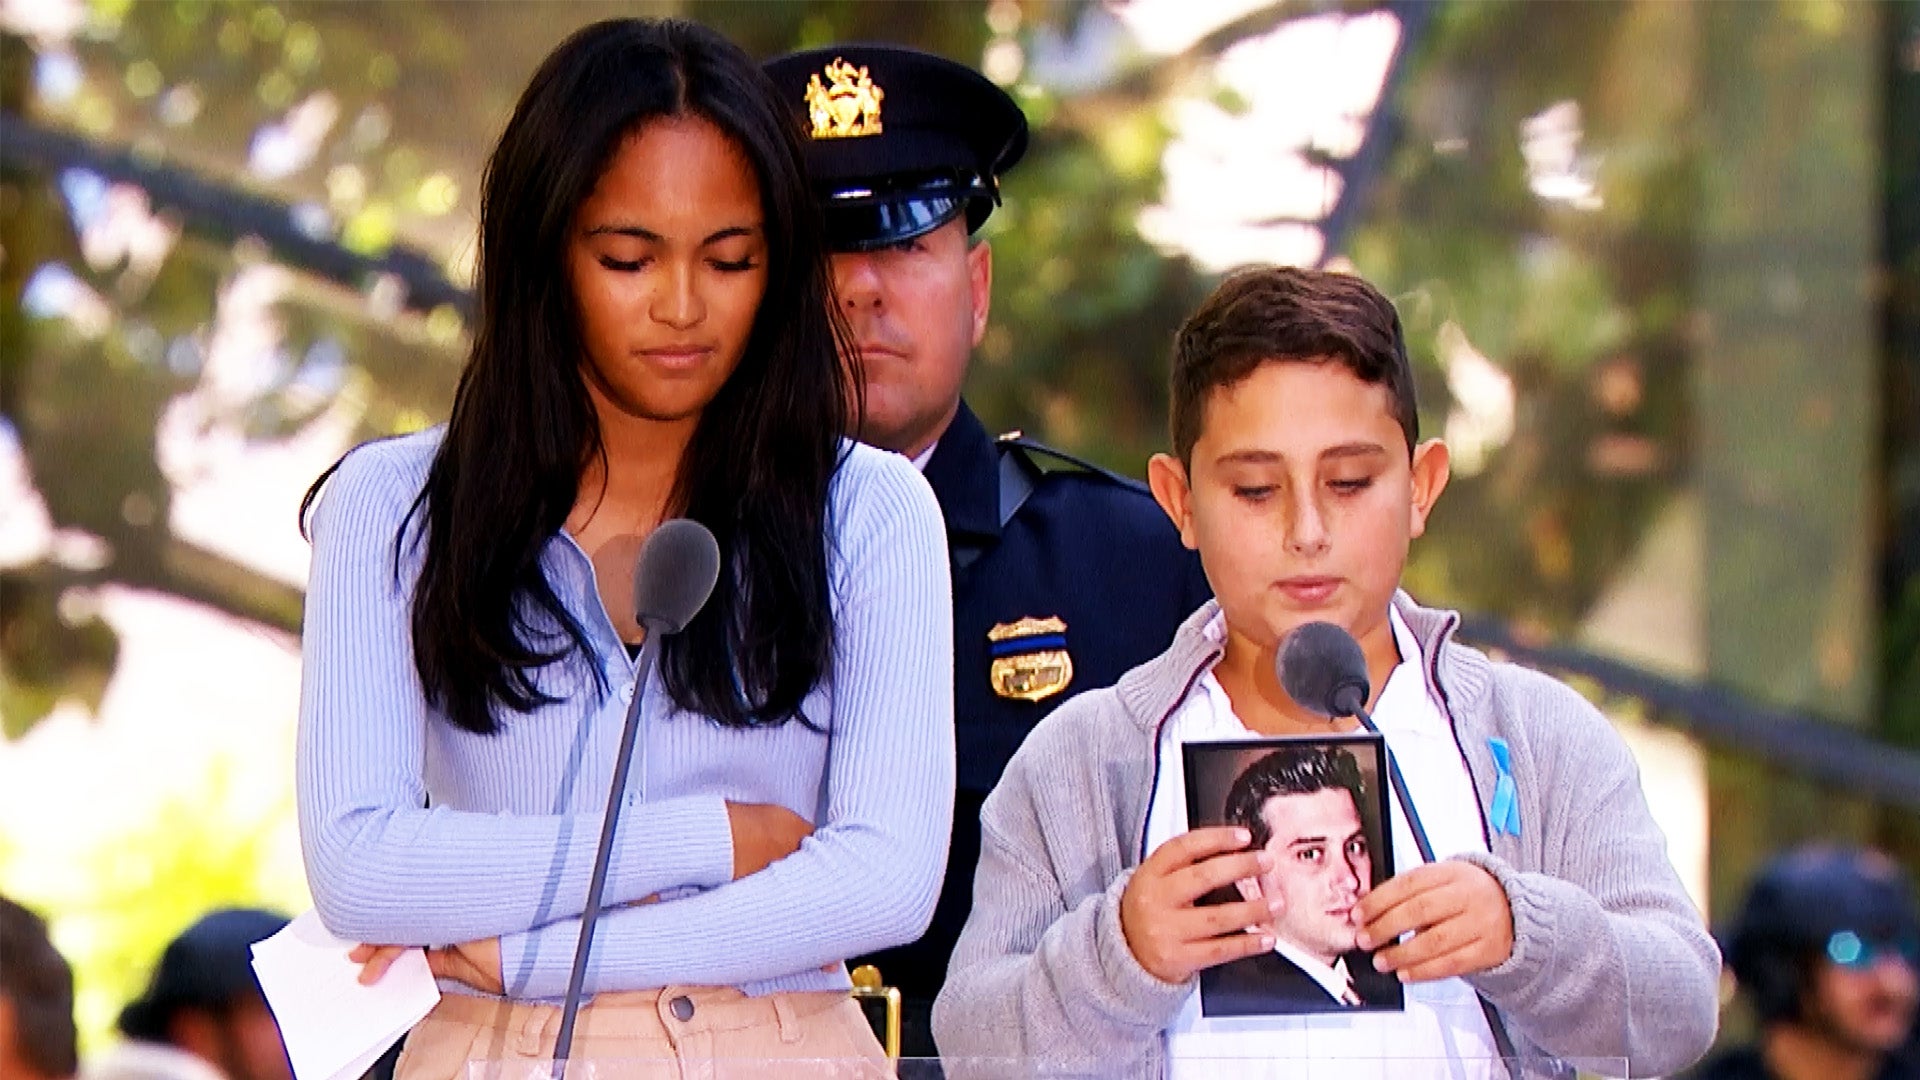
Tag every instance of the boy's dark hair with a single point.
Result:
(1286, 313)
(36, 979)
(1292, 770)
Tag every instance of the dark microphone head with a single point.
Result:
(1322, 668)
(677, 569)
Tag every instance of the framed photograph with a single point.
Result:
(1319, 806)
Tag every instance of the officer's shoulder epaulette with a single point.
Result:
(1016, 441)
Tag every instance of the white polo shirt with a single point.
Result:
(1442, 1033)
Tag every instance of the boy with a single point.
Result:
(1544, 917)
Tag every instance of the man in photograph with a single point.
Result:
(1302, 804)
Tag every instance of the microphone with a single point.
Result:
(677, 568)
(1322, 668)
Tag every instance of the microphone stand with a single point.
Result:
(1350, 701)
(563, 1042)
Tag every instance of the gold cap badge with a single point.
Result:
(1029, 658)
(847, 105)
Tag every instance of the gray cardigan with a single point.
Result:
(1610, 957)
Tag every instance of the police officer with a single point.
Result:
(1065, 575)
(1826, 948)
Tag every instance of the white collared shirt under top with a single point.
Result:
(1442, 1033)
(920, 459)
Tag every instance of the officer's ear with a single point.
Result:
(1167, 478)
(980, 285)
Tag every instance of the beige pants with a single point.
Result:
(679, 1033)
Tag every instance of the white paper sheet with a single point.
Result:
(335, 1028)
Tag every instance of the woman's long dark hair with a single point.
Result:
(758, 467)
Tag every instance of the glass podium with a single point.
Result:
(1386, 1066)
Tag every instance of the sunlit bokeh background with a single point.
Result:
(1659, 264)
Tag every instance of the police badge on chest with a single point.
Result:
(1029, 658)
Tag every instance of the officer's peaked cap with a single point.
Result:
(899, 142)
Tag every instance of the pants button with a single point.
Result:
(682, 1007)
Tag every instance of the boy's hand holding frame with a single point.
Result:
(1461, 921)
(1172, 936)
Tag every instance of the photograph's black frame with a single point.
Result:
(1210, 768)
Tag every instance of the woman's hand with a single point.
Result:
(475, 963)
(763, 834)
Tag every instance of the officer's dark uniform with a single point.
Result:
(1065, 575)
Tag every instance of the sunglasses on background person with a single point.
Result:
(1856, 952)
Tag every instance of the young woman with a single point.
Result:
(655, 339)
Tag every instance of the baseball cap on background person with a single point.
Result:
(899, 142)
(203, 1015)
(1843, 906)
(1825, 946)
(209, 966)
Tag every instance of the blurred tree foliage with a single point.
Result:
(1585, 307)
(413, 94)
(1900, 541)
(1695, 338)
(1717, 286)
(1591, 305)
(1901, 572)
(118, 905)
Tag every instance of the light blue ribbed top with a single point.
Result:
(418, 833)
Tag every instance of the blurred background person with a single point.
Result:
(1824, 950)
(37, 1039)
(203, 1016)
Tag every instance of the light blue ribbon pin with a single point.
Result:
(1506, 796)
